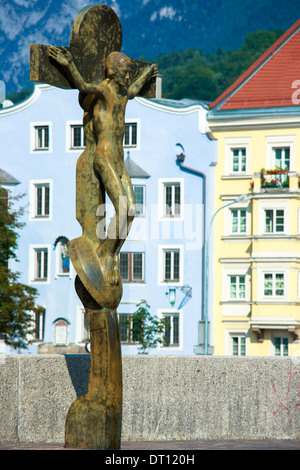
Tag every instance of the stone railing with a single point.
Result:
(164, 398)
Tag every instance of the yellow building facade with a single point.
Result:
(256, 254)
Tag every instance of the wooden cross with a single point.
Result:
(96, 33)
(94, 419)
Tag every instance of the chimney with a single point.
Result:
(158, 86)
(2, 91)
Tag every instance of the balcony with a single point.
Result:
(275, 181)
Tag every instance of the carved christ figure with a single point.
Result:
(107, 103)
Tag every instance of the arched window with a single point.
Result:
(62, 256)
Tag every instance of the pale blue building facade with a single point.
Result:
(170, 157)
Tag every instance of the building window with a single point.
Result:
(39, 325)
(139, 193)
(237, 287)
(130, 136)
(172, 200)
(281, 346)
(282, 158)
(238, 345)
(42, 200)
(171, 333)
(238, 221)
(40, 196)
(132, 267)
(129, 328)
(274, 284)
(280, 152)
(239, 160)
(40, 264)
(171, 265)
(274, 220)
(237, 157)
(41, 137)
(77, 137)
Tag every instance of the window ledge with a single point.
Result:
(237, 177)
(243, 237)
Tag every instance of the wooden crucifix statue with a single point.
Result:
(106, 80)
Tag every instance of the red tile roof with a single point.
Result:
(268, 82)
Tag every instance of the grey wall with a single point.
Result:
(163, 397)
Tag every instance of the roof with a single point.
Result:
(183, 103)
(134, 170)
(269, 81)
(7, 179)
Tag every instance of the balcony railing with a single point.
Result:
(276, 180)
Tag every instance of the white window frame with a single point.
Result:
(239, 345)
(70, 136)
(33, 185)
(238, 286)
(161, 313)
(235, 332)
(162, 183)
(41, 326)
(279, 141)
(273, 205)
(236, 143)
(274, 225)
(228, 219)
(235, 307)
(161, 264)
(130, 255)
(33, 137)
(238, 210)
(282, 335)
(33, 249)
(136, 146)
(273, 284)
(141, 207)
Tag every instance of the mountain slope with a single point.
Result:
(150, 27)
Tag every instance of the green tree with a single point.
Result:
(16, 299)
(192, 74)
(147, 329)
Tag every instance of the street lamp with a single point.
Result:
(172, 297)
(242, 198)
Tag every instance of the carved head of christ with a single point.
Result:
(117, 68)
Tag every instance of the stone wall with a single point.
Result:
(164, 398)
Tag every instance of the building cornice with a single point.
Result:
(266, 118)
(27, 102)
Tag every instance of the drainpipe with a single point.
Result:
(180, 160)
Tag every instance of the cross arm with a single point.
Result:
(45, 70)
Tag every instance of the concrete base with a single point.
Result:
(164, 398)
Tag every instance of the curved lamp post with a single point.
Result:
(241, 198)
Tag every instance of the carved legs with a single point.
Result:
(94, 420)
